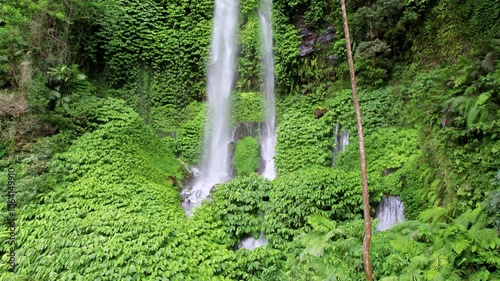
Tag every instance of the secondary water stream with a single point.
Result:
(389, 212)
(268, 129)
(268, 134)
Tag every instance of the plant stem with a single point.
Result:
(361, 140)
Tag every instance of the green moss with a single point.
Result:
(246, 157)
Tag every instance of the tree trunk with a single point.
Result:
(361, 139)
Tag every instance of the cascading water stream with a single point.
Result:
(251, 243)
(216, 165)
(268, 135)
(389, 212)
(341, 141)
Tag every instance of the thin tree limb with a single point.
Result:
(361, 140)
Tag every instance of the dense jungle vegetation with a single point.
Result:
(102, 104)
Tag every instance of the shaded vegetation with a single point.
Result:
(102, 101)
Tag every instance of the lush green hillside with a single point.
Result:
(103, 101)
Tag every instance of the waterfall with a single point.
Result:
(216, 165)
(389, 212)
(341, 141)
(251, 243)
(268, 136)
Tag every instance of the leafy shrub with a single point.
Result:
(114, 208)
(171, 39)
(460, 249)
(331, 250)
(387, 151)
(380, 108)
(237, 208)
(259, 264)
(316, 190)
(248, 107)
(411, 182)
(250, 57)
(371, 62)
(246, 156)
(286, 49)
(303, 141)
(190, 139)
(165, 118)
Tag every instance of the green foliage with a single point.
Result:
(249, 62)
(380, 108)
(166, 118)
(446, 29)
(237, 208)
(371, 62)
(249, 6)
(411, 180)
(247, 107)
(476, 101)
(492, 203)
(96, 201)
(259, 264)
(303, 141)
(172, 38)
(392, 21)
(460, 249)
(246, 156)
(3, 149)
(63, 80)
(459, 133)
(387, 151)
(286, 50)
(482, 17)
(114, 208)
(190, 139)
(316, 190)
(330, 251)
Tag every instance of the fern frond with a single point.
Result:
(434, 275)
(471, 218)
(481, 275)
(413, 275)
(434, 214)
(472, 115)
(486, 238)
(460, 245)
(438, 261)
(390, 278)
(460, 104)
(419, 261)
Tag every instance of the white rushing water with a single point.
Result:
(341, 141)
(251, 243)
(216, 164)
(389, 212)
(268, 135)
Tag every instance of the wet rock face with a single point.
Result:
(312, 41)
(319, 112)
(248, 129)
